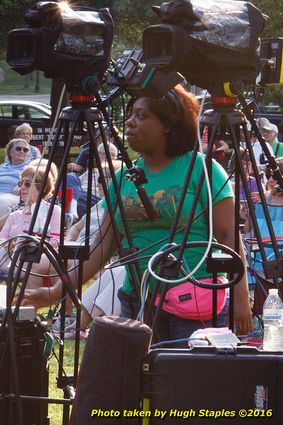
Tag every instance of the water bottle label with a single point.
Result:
(271, 314)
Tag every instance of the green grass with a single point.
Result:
(2, 155)
(22, 85)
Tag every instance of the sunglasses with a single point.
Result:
(20, 148)
(27, 184)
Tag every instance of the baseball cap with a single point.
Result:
(271, 127)
(262, 122)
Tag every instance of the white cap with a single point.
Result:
(112, 149)
(271, 127)
(262, 122)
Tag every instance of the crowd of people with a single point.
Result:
(163, 133)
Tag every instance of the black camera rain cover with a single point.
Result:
(222, 38)
(47, 20)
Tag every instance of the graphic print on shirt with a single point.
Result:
(165, 202)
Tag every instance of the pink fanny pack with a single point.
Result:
(189, 301)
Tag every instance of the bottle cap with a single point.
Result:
(273, 291)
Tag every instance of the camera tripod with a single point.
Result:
(81, 111)
(223, 117)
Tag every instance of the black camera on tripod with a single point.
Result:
(210, 43)
(75, 43)
(62, 41)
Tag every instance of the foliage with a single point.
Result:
(274, 11)
(273, 95)
(11, 16)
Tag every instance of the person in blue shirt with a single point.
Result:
(18, 156)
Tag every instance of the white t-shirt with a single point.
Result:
(94, 185)
(257, 149)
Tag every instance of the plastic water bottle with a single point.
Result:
(273, 322)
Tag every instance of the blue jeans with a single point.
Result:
(170, 327)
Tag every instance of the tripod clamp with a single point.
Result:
(137, 175)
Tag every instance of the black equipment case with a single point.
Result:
(32, 373)
(207, 385)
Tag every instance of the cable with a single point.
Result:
(217, 246)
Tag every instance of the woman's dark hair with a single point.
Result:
(179, 110)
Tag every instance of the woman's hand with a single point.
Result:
(255, 197)
(75, 168)
(242, 317)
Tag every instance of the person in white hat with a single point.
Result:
(257, 147)
(270, 133)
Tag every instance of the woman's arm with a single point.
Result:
(5, 232)
(101, 251)
(75, 230)
(224, 231)
(3, 220)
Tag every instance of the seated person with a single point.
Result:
(270, 133)
(273, 195)
(24, 131)
(17, 151)
(100, 298)
(18, 221)
(21, 204)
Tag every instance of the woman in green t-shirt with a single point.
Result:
(164, 132)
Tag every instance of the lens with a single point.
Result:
(20, 51)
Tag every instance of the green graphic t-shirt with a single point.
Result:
(164, 189)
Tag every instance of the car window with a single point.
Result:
(22, 113)
(37, 114)
(6, 111)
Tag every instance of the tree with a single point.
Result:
(274, 11)
(11, 16)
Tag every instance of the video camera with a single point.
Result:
(214, 45)
(61, 41)
(75, 44)
(207, 41)
(271, 57)
(138, 79)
